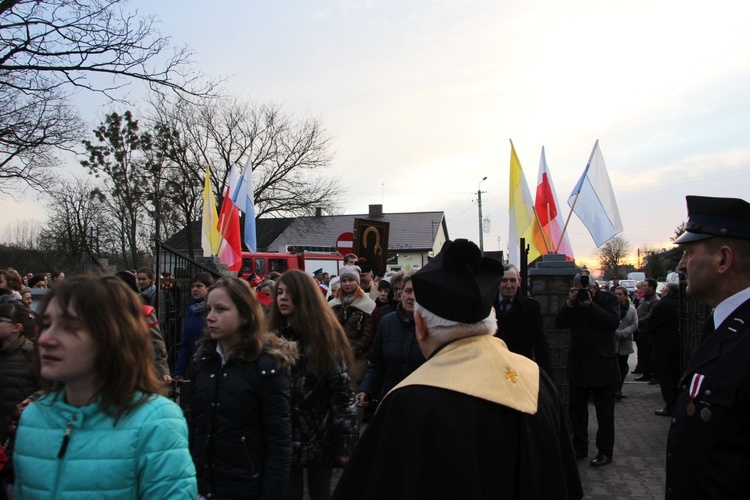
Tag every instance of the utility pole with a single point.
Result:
(479, 203)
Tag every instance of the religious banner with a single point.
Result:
(371, 242)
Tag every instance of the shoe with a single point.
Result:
(601, 460)
(653, 381)
(642, 378)
(666, 412)
(637, 371)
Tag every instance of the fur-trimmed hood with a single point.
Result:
(283, 351)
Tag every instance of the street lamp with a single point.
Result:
(479, 204)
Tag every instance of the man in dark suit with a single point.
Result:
(592, 315)
(519, 321)
(664, 332)
(708, 449)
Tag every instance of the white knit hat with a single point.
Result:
(350, 272)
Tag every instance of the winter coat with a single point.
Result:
(157, 341)
(624, 333)
(144, 455)
(17, 379)
(645, 306)
(240, 423)
(395, 354)
(324, 413)
(522, 330)
(195, 323)
(359, 321)
(592, 358)
(664, 329)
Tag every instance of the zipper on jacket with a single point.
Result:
(66, 440)
(243, 440)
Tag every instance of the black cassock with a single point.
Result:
(430, 442)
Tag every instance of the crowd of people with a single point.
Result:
(281, 368)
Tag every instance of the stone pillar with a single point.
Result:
(551, 279)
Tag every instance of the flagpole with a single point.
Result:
(565, 227)
(549, 225)
(541, 229)
(591, 157)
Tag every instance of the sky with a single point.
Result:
(421, 98)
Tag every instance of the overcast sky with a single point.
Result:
(421, 97)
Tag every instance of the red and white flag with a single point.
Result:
(230, 250)
(551, 220)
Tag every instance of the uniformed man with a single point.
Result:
(708, 450)
(475, 420)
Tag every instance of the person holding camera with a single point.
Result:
(592, 315)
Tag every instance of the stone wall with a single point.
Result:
(551, 279)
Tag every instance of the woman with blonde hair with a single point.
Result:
(624, 334)
(240, 421)
(102, 427)
(324, 415)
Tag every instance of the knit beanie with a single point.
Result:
(350, 272)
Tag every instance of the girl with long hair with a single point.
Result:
(102, 426)
(240, 421)
(324, 416)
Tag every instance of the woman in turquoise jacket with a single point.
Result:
(102, 430)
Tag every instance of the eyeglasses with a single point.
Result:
(398, 289)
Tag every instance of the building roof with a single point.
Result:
(266, 230)
(408, 231)
(415, 231)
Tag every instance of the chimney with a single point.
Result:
(318, 211)
(376, 212)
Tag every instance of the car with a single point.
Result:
(630, 285)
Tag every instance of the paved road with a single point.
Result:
(637, 470)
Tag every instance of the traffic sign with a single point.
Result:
(345, 243)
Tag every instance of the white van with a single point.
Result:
(638, 276)
(673, 277)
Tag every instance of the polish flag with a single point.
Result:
(550, 219)
(230, 250)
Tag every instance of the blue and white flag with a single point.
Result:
(242, 197)
(593, 200)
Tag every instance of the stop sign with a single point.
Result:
(345, 243)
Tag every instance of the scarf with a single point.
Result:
(198, 307)
(148, 293)
(624, 306)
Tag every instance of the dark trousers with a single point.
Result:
(623, 362)
(318, 482)
(668, 379)
(644, 353)
(578, 409)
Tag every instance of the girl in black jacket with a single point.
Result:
(240, 429)
(324, 416)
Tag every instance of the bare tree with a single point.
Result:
(50, 48)
(612, 255)
(288, 155)
(79, 223)
(23, 234)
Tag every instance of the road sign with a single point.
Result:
(345, 243)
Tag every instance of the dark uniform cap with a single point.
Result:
(459, 284)
(318, 271)
(709, 217)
